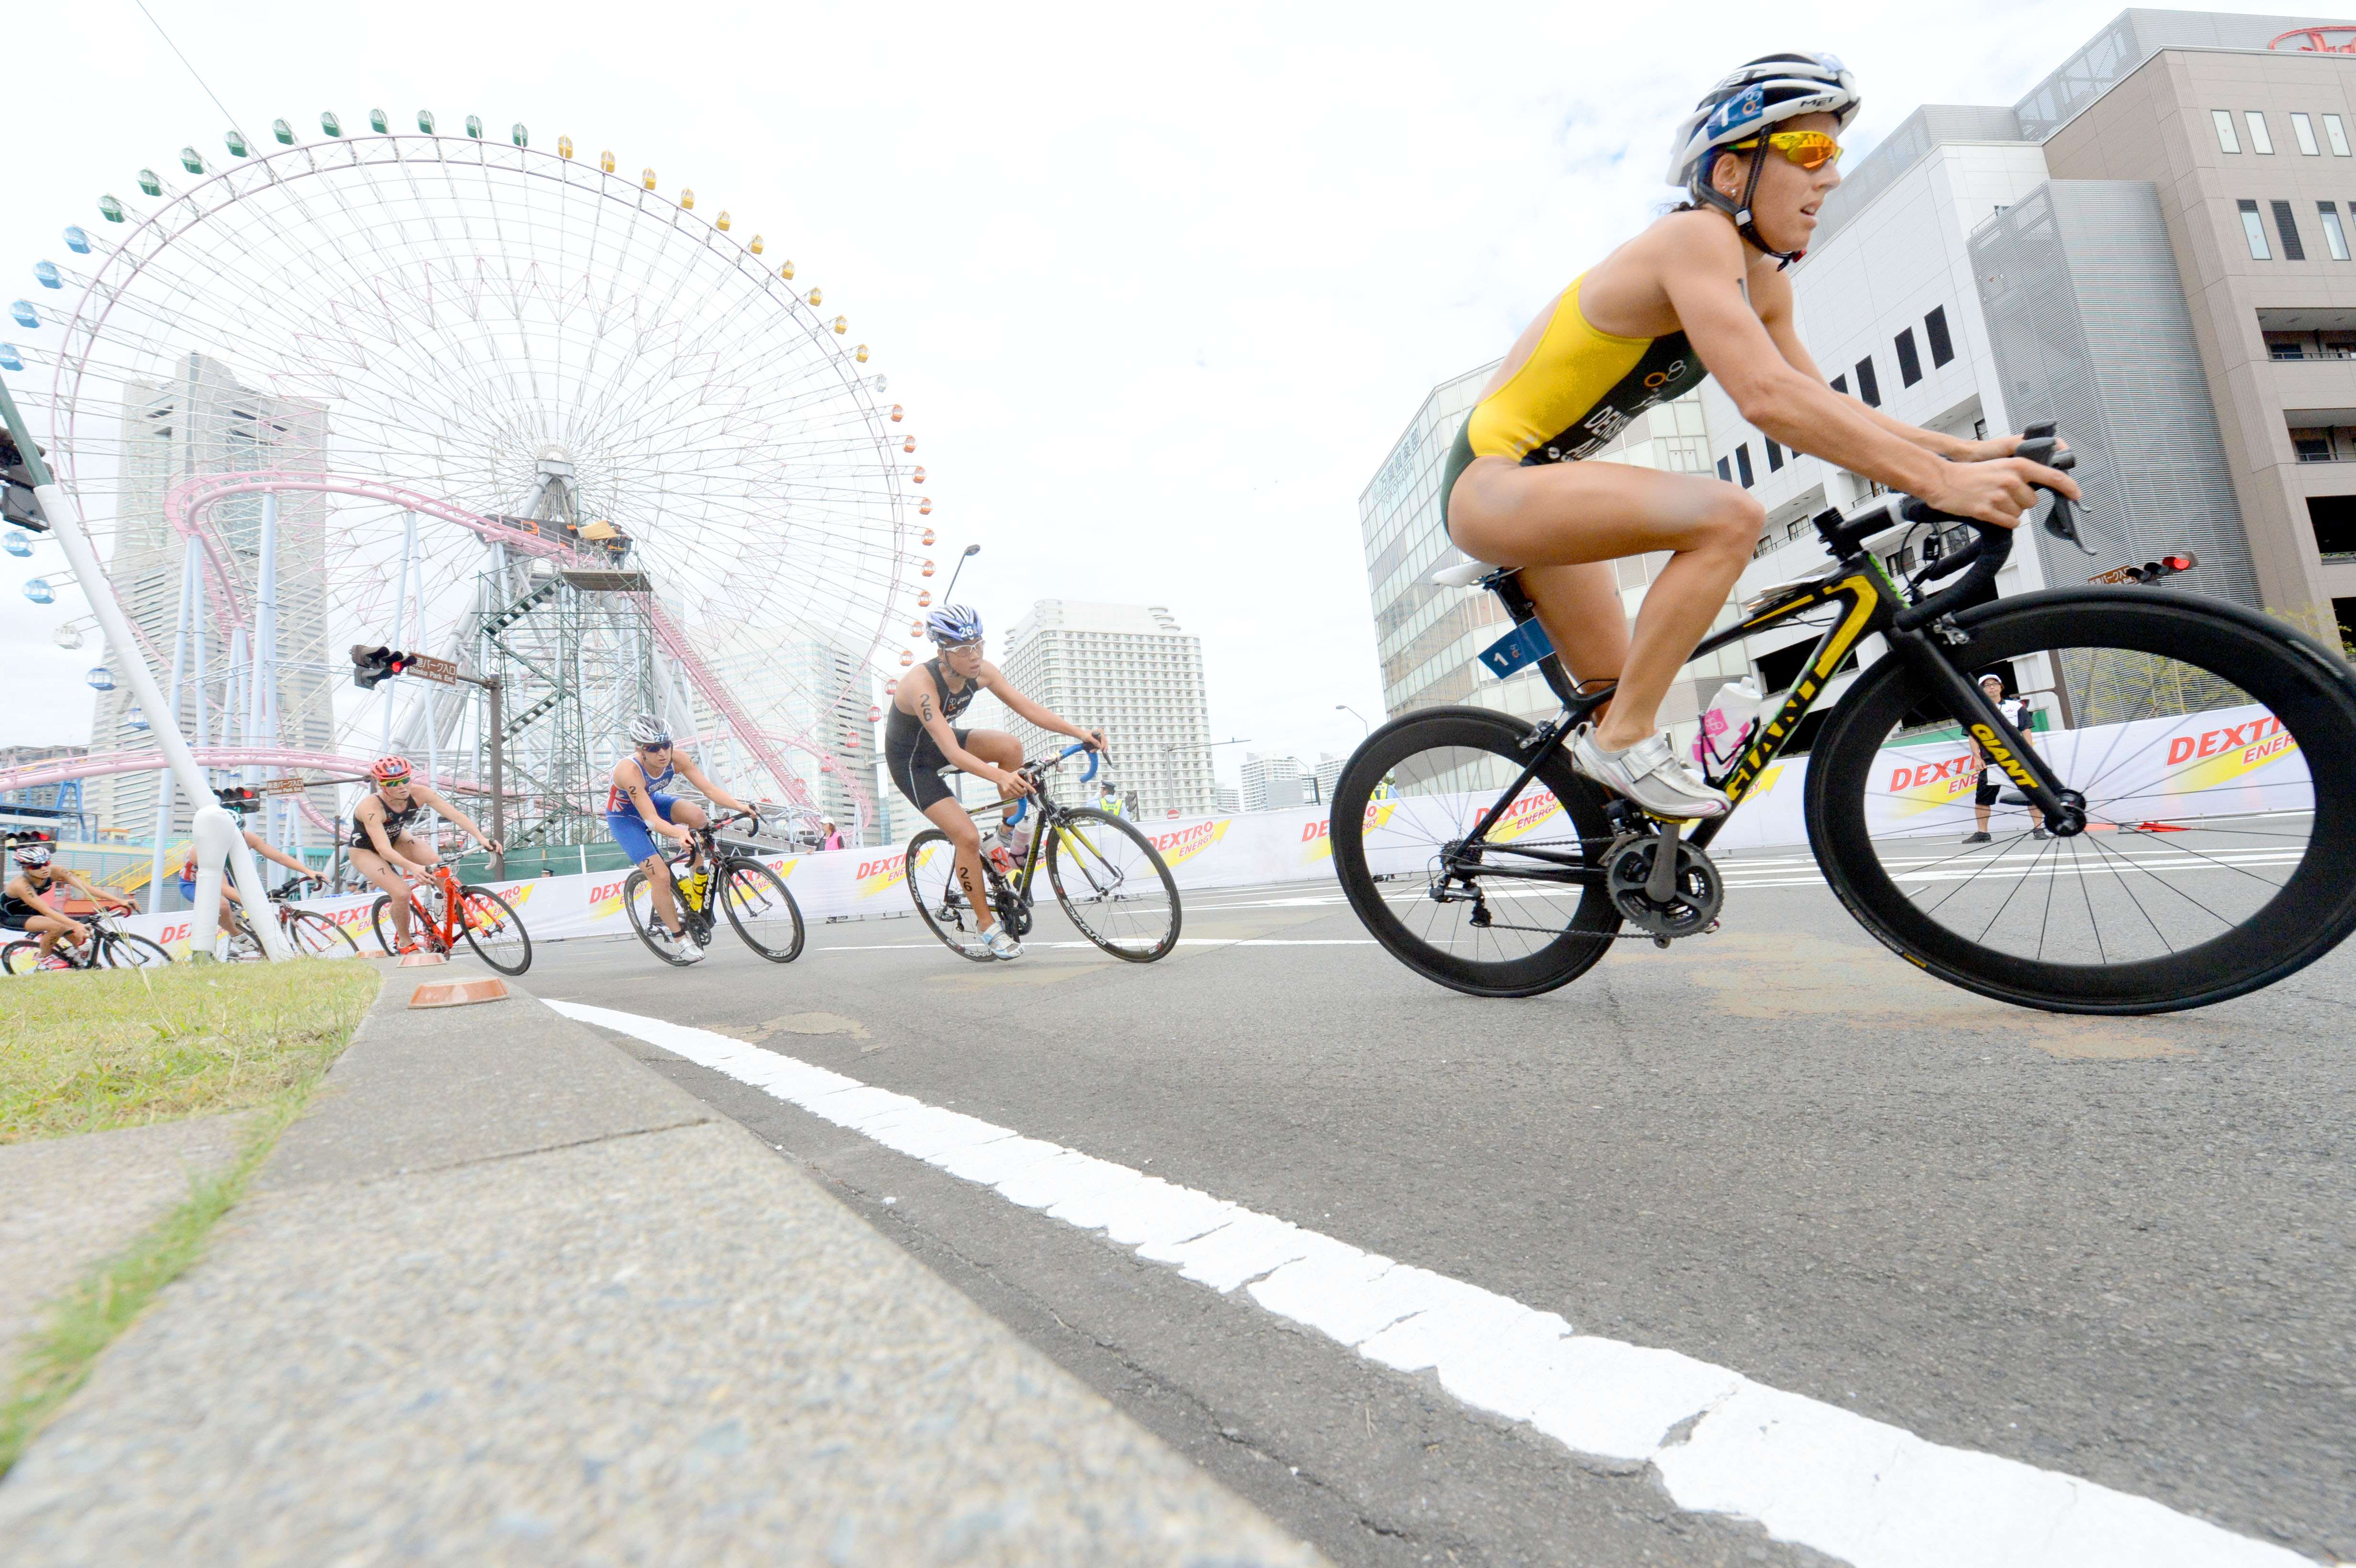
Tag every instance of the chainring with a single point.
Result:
(1701, 894)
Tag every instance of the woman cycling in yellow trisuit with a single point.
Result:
(1699, 292)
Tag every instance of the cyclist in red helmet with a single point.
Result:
(385, 839)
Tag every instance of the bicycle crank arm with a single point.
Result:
(2064, 809)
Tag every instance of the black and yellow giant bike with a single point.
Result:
(2179, 825)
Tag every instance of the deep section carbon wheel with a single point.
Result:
(1505, 921)
(2211, 749)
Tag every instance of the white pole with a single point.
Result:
(189, 589)
(399, 616)
(217, 839)
(264, 673)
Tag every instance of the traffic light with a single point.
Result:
(241, 798)
(370, 666)
(17, 502)
(2166, 566)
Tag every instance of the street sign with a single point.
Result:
(442, 672)
(285, 786)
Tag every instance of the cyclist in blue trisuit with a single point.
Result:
(921, 738)
(636, 808)
(1700, 292)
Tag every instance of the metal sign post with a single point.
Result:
(215, 830)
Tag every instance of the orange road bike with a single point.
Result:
(2182, 828)
(442, 910)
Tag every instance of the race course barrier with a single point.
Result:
(2231, 762)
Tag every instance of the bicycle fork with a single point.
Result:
(2064, 808)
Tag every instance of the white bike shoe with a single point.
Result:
(1649, 774)
(1001, 944)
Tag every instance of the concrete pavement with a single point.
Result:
(507, 1296)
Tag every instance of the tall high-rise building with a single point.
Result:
(202, 421)
(1273, 783)
(1128, 670)
(799, 681)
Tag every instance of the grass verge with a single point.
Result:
(298, 1024)
(86, 1051)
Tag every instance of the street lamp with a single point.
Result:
(1345, 707)
(970, 552)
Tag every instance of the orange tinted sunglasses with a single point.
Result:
(1811, 150)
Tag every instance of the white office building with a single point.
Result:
(800, 682)
(201, 421)
(1128, 670)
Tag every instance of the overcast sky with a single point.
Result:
(1159, 287)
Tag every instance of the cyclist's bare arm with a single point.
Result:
(712, 791)
(1775, 314)
(449, 813)
(1723, 305)
(269, 851)
(631, 780)
(88, 890)
(994, 681)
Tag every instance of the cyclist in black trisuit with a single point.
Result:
(25, 909)
(383, 841)
(921, 738)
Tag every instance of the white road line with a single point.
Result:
(1811, 1473)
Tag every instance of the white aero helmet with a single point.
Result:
(952, 624)
(1748, 103)
(647, 729)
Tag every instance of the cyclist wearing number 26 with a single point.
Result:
(921, 738)
(1700, 292)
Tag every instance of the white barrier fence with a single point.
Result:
(2223, 763)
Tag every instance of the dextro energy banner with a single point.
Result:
(2223, 763)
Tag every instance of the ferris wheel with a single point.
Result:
(523, 409)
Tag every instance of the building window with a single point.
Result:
(1774, 454)
(2292, 249)
(1867, 387)
(2254, 231)
(2227, 140)
(2337, 134)
(1743, 462)
(1726, 470)
(2335, 238)
(1910, 367)
(1935, 328)
(2304, 129)
(1840, 385)
(2259, 141)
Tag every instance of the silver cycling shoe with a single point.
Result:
(1001, 944)
(1649, 774)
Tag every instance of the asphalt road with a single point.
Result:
(2119, 1249)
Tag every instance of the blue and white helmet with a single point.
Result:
(1769, 88)
(953, 624)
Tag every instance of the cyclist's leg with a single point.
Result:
(378, 870)
(51, 927)
(1571, 514)
(638, 843)
(993, 746)
(966, 838)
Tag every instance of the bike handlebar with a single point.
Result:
(1022, 807)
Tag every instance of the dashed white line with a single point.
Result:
(1809, 1472)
